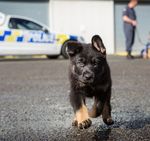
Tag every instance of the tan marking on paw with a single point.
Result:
(82, 114)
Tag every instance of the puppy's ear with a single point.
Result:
(97, 44)
(73, 48)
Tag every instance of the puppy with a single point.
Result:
(89, 76)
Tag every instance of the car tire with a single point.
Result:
(64, 50)
(52, 56)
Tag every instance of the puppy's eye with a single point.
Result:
(96, 62)
(81, 62)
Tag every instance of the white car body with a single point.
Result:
(18, 38)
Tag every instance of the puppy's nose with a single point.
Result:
(88, 76)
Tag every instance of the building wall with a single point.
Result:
(37, 9)
(86, 18)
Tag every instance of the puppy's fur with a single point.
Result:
(89, 77)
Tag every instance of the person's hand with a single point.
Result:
(134, 22)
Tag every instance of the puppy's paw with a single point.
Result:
(85, 124)
(75, 123)
(108, 121)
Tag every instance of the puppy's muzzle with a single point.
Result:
(88, 76)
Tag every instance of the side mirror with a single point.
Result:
(45, 30)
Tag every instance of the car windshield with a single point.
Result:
(16, 23)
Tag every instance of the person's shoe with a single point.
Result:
(129, 56)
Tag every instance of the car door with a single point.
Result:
(28, 37)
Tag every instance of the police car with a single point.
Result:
(24, 36)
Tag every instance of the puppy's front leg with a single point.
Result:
(82, 119)
(106, 114)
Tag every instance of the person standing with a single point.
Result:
(130, 23)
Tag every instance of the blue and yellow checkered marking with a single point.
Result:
(29, 36)
(4, 34)
(33, 37)
(11, 36)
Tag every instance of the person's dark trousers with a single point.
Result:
(129, 35)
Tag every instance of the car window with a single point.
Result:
(16, 23)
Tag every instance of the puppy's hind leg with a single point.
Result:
(96, 108)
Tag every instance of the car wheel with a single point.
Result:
(64, 50)
(52, 56)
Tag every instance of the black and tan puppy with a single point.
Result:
(89, 77)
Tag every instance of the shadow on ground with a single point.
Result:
(103, 132)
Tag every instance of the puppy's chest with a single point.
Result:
(90, 91)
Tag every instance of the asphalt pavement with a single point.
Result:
(34, 102)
